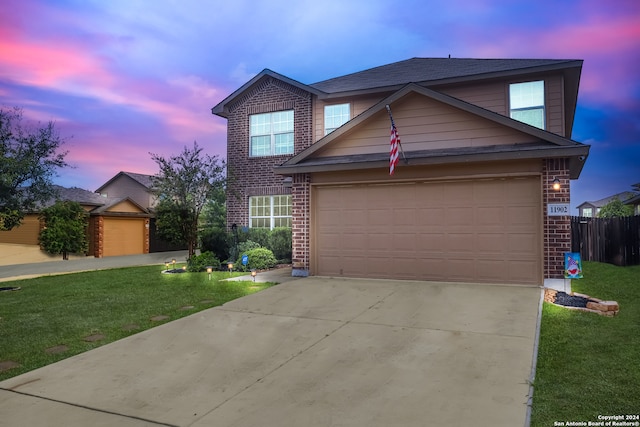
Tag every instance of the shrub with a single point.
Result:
(280, 243)
(246, 246)
(201, 262)
(259, 235)
(259, 259)
(215, 240)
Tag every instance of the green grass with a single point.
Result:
(589, 365)
(63, 310)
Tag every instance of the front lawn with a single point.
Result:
(589, 365)
(50, 318)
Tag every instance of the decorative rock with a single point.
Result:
(94, 338)
(8, 364)
(57, 349)
(611, 305)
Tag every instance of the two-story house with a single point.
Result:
(590, 209)
(486, 151)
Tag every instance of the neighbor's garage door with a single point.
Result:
(123, 236)
(466, 231)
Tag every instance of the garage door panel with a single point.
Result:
(485, 231)
(459, 216)
(460, 242)
(521, 270)
(492, 243)
(491, 270)
(522, 243)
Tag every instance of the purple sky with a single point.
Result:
(122, 78)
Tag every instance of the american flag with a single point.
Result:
(393, 149)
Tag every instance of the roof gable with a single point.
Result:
(144, 180)
(222, 108)
(122, 206)
(426, 140)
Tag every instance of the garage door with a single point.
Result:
(465, 231)
(27, 233)
(123, 236)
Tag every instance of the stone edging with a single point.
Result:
(595, 305)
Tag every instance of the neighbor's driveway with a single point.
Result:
(309, 352)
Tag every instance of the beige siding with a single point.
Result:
(555, 105)
(124, 206)
(124, 186)
(424, 124)
(491, 96)
(483, 230)
(494, 96)
(357, 105)
(26, 233)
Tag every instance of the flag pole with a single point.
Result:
(399, 142)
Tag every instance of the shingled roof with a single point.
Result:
(437, 70)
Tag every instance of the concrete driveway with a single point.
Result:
(308, 352)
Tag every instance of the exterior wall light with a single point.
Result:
(556, 184)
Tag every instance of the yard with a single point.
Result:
(55, 317)
(589, 365)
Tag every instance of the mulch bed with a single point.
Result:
(562, 298)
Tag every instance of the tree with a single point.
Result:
(29, 157)
(183, 186)
(65, 229)
(615, 208)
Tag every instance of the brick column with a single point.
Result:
(557, 229)
(146, 236)
(98, 236)
(300, 225)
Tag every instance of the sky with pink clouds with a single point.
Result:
(125, 78)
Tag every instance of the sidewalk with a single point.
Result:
(34, 266)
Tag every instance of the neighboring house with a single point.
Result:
(117, 225)
(136, 186)
(484, 140)
(635, 203)
(591, 209)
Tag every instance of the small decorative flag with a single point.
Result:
(572, 265)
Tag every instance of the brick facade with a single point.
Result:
(557, 229)
(254, 176)
(301, 188)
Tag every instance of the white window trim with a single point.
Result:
(271, 216)
(272, 134)
(327, 131)
(531, 107)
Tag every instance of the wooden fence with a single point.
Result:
(611, 240)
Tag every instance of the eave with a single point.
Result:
(551, 145)
(221, 109)
(446, 156)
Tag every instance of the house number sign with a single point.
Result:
(559, 209)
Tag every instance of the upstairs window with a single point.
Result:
(271, 134)
(270, 211)
(335, 116)
(526, 101)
